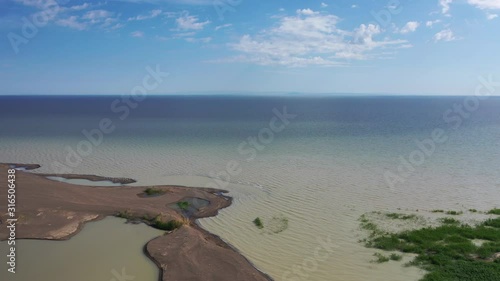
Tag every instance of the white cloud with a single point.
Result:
(410, 26)
(79, 7)
(324, 5)
(152, 14)
(182, 2)
(431, 23)
(199, 40)
(223, 26)
(444, 35)
(354, 6)
(306, 12)
(40, 4)
(72, 22)
(137, 34)
(96, 15)
(445, 5)
(491, 16)
(187, 22)
(485, 4)
(310, 39)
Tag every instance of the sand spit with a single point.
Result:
(91, 178)
(54, 210)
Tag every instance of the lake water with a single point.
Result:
(103, 250)
(308, 182)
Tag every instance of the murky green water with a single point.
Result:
(107, 250)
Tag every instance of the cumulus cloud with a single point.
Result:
(310, 38)
(188, 22)
(430, 23)
(444, 35)
(409, 27)
(491, 16)
(97, 15)
(79, 7)
(445, 6)
(72, 22)
(307, 12)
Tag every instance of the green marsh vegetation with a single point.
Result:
(152, 191)
(447, 251)
(159, 223)
(156, 222)
(258, 223)
(495, 211)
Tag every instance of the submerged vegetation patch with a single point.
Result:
(274, 225)
(277, 224)
(447, 252)
(183, 205)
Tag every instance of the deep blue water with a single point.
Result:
(52, 115)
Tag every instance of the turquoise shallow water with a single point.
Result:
(320, 173)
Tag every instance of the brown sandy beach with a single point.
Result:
(54, 210)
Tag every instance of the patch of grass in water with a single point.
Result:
(454, 213)
(447, 251)
(258, 223)
(400, 216)
(395, 257)
(437, 211)
(473, 210)
(380, 258)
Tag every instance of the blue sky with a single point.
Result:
(370, 46)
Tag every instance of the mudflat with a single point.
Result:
(54, 210)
